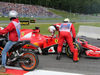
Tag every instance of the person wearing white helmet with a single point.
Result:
(55, 27)
(66, 32)
(13, 14)
(52, 30)
(13, 29)
(66, 20)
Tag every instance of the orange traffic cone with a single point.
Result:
(75, 55)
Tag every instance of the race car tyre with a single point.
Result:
(31, 61)
(76, 45)
(83, 39)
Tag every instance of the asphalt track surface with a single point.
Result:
(85, 65)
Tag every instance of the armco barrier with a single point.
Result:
(89, 31)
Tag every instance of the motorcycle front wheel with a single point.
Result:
(29, 62)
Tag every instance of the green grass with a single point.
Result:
(44, 27)
(61, 13)
(4, 18)
(74, 16)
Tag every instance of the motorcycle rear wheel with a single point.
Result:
(32, 63)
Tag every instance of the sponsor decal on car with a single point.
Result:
(51, 50)
(22, 33)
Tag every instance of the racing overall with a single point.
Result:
(66, 29)
(13, 36)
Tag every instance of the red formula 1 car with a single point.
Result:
(48, 44)
(90, 50)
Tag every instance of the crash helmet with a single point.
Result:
(13, 14)
(1, 28)
(52, 29)
(66, 20)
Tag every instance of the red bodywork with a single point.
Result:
(37, 39)
(93, 50)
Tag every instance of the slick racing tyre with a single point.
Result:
(76, 45)
(29, 62)
(83, 39)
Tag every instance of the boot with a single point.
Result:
(2, 68)
(58, 56)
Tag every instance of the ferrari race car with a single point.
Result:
(48, 44)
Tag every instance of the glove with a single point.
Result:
(73, 39)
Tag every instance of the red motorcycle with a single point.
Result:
(27, 60)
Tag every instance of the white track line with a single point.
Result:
(44, 72)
